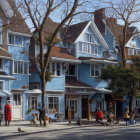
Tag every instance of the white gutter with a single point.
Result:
(99, 61)
(9, 77)
(17, 33)
(65, 60)
(6, 57)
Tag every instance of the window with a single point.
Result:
(1, 85)
(94, 49)
(32, 102)
(53, 105)
(71, 70)
(55, 68)
(0, 103)
(20, 67)
(1, 64)
(0, 37)
(80, 46)
(73, 104)
(137, 52)
(17, 99)
(15, 40)
(95, 70)
(34, 86)
(130, 51)
(100, 104)
(85, 47)
(88, 37)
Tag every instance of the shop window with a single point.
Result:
(53, 105)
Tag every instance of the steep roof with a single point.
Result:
(61, 53)
(73, 31)
(117, 30)
(55, 52)
(4, 53)
(17, 23)
(71, 81)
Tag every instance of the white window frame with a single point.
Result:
(30, 98)
(89, 39)
(129, 50)
(14, 40)
(89, 46)
(3, 84)
(2, 64)
(95, 70)
(137, 50)
(53, 104)
(23, 64)
(55, 67)
(72, 99)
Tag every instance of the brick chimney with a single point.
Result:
(99, 15)
(113, 20)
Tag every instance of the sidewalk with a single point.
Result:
(28, 129)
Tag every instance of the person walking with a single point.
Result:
(7, 113)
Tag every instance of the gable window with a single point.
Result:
(55, 68)
(71, 70)
(1, 85)
(33, 102)
(95, 70)
(130, 51)
(88, 37)
(1, 64)
(15, 40)
(53, 105)
(20, 67)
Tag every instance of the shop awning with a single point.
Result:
(5, 93)
(35, 91)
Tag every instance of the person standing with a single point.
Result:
(126, 115)
(7, 113)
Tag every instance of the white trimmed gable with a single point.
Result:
(95, 32)
(6, 8)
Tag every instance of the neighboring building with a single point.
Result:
(14, 62)
(113, 35)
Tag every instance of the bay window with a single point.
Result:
(95, 70)
(53, 105)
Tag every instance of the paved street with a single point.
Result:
(62, 131)
(85, 133)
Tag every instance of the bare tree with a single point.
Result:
(127, 12)
(38, 12)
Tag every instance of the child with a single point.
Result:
(34, 119)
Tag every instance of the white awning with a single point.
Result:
(5, 93)
(103, 90)
(35, 91)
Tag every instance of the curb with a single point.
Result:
(80, 126)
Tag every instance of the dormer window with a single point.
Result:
(1, 64)
(16, 40)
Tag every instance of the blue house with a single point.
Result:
(14, 60)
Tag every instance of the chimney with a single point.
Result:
(113, 20)
(99, 15)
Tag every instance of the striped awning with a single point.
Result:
(5, 93)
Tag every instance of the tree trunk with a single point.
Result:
(43, 96)
(123, 45)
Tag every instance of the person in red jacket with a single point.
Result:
(99, 115)
(7, 113)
